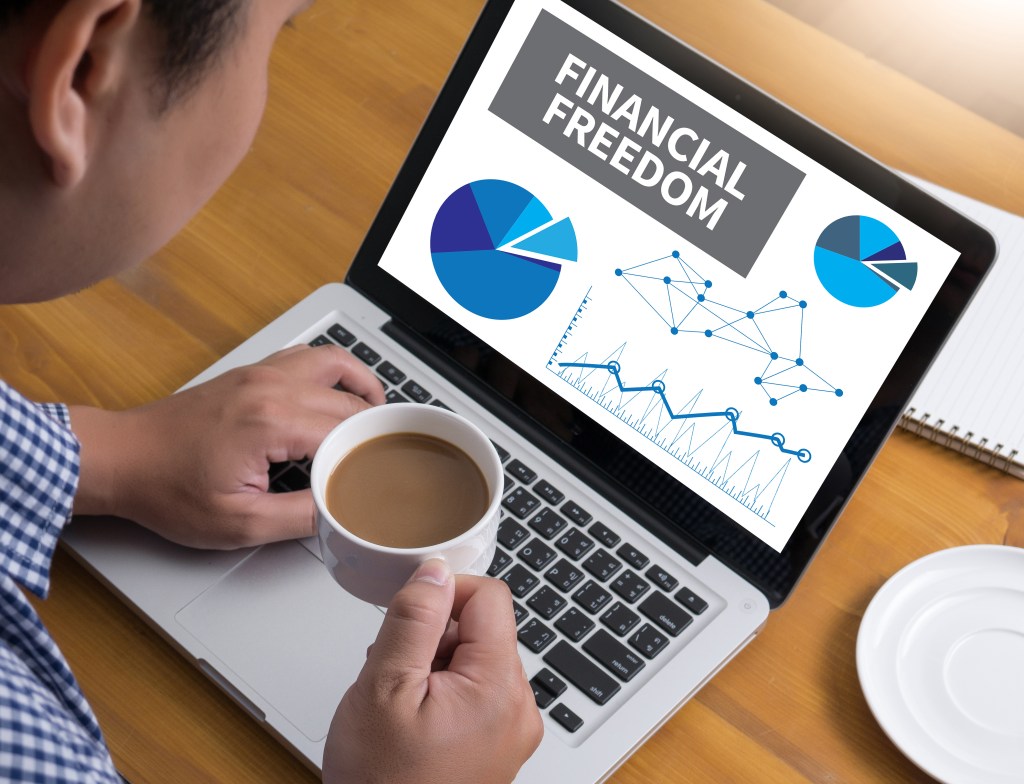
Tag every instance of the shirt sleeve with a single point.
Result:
(39, 464)
(48, 732)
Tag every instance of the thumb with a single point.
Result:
(413, 626)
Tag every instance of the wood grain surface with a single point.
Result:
(350, 85)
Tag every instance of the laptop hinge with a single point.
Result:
(553, 447)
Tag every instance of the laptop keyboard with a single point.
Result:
(591, 606)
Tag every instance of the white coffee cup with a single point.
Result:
(373, 572)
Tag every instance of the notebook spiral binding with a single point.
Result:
(950, 437)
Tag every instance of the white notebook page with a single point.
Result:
(977, 382)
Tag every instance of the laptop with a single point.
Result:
(687, 317)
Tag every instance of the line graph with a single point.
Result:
(658, 388)
(680, 297)
(748, 465)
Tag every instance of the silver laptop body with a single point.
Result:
(273, 630)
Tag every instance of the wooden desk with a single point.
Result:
(349, 88)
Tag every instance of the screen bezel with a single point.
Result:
(775, 574)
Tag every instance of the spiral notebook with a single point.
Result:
(970, 400)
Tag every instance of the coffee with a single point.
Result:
(407, 490)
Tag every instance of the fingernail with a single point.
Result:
(433, 571)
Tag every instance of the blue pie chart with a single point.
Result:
(860, 261)
(497, 250)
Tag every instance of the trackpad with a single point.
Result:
(285, 630)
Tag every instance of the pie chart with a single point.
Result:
(497, 250)
(861, 261)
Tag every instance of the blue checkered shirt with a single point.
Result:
(48, 733)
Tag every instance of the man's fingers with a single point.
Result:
(300, 433)
(330, 365)
(286, 351)
(275, 517)
(483, 608)
(415, 622)
(328, 402)
(487, 631)
(449, 641)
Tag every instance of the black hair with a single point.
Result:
(195, 32)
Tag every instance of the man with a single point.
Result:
(118, 120)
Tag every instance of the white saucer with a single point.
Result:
(940, 656)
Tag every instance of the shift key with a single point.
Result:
(582, 672)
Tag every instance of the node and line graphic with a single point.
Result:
(861, 262)
(497, 250)
(681, 298)
(746, 463)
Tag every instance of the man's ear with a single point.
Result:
(82, 56)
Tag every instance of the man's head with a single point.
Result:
(118, 120)
(192, 33)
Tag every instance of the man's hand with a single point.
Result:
(193, 467)
(443, 696)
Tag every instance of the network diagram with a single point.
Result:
(681, 298)
(672, 411)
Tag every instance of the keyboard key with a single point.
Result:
(581, 672)
(574, 624)
(649, 641)
(547, 523)
(438, 404)
(604, 535)
(670, 617)
(520, 581)
(503, 454)
(546, 602)
(415, 392)
(566, 717)
(342, 335)
(511, 534)
(592, 597)
(320, 340)
(661, 578)
(576, 513)
(541, 695)
(500, 561)
(548, 492)
(520, 612)
(564, 575)
(616, 657)
(574, 544)
(629, 586)
(691, 601)
(535, 635)
(394, 396)
(509, 484)
(537, 554)
(602, 565)
(365, 353)
(519, 471)
(520, 503)
(620, 619)
(391, 373)
(550, 681)
(633, 557)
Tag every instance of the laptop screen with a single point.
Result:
(709, 307)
